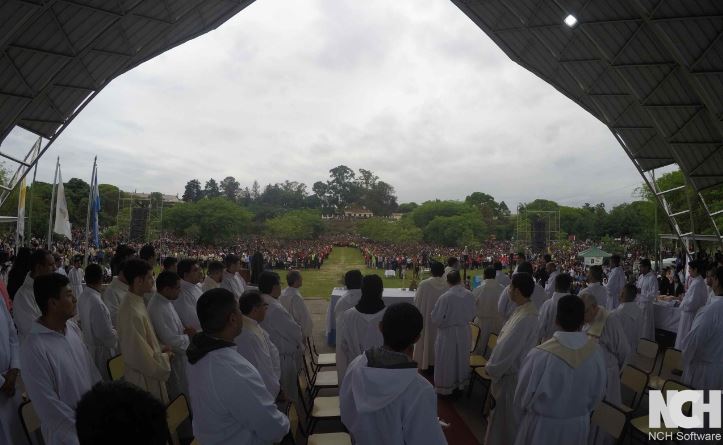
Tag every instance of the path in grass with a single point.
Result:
(320, 283)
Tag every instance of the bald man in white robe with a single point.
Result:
(517, 337)
(560, 383)
(452, 314)
(425, 298)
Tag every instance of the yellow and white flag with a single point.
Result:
(62, 218)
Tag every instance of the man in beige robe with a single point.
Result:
(488, 319)
(147, 364)
(426, 297)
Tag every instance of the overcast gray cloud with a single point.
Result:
(410, 89)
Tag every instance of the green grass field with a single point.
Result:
(319, 283)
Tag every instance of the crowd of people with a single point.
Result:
(237, 350)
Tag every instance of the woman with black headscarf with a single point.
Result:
(359, 327)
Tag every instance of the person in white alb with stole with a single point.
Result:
(190, 273)
(254, 343)
(425, 298)
(517, 337)
(595, 287)
(452, 314)
(170, 329)
(99, 335)
(548, 311)
(293, 302)
(560, 383)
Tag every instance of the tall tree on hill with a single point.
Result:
(230, 188)
(193, 191)
(211, 189)
(255, 190)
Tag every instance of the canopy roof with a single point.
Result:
(54, 54)
(594, 252)
(651, 70)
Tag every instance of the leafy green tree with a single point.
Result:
(407, 207)
(230, 188)
(193, 191)
(209, 220)
(296, 224)
(457, 230)
(384, 230)
(426, 212)
(211, 189)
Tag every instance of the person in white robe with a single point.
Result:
(99, 335)
(629, 315)
(595, 287)
(25, 309)
(284, 331)
(60, 265)
(647, 293)
(548, 311)
(560, 383)
(505, 306)
(293, 302)
(501, 276)
(349, 298)
(190, 273)
(552, 272)
(709, 283)
(146, 363)
(486, 297)
(402, 408)
(426, 296)
(452, 264)
(360, 325)
(229, 400)
(170, 329)
(255, 344)
(114, 295)
(517, 337)
(231, 281)
(452, 313)
(57, 369)
(616, 281)
(702, 348)
(76, 276)
(605, 328)
(11, 430)
(695, 298)
(214, 276)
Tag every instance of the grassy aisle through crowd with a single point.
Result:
(320, 283)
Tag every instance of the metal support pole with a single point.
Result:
(52, 205)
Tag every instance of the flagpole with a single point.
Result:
(52, 205)
(87, 218)
(30, 209)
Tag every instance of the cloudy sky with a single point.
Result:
(288, 89)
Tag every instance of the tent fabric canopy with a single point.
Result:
(650, 70)
(55, 54)
(594, 252)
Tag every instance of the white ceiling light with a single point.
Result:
(571, 21)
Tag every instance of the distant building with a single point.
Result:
(358, 212)
(167, 199)
(397, 216)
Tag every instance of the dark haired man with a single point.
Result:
(190, 273)
(170, 263)
(57, 369)
(518, 335)
(628, 313)
(254, 342)
(146, 364)
(214, 276)
(595, 287)
(25, 309)
(561, 382)
(118, 413)
(505, 306)
(293, 302)
(647, 293)
(695, 298)
(170, 329)
(232, 281)
(350, 297)
(99, 335)
(402, 408)
(452, 314)
(548, 311)
(616, 281)
(229, 400)
(285, 333)
(486, 297)
(425, 298)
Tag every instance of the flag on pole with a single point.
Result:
(20, 233)
(62, 219)
(95, 208)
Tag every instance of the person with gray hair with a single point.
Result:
(293, 302)
(605, 328)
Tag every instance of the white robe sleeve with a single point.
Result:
(508, 351)
(698, 338)
(256, 406)
(698, 297)
(167, 330)
(13, 344)
(613, 338)
(504, 305)
(530, 378)
(102, 326)
(56, 415)
(342, 349)
(422, 426)
(301, 314)
(439, 312)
